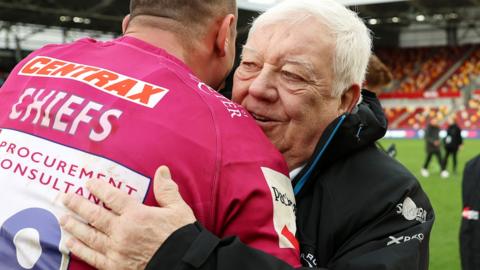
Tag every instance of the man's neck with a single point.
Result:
(191, 53)
(164, 40)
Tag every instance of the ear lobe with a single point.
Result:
(350, 99)
(125, 23)
(224, 33)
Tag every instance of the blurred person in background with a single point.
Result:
(433, 148)
(470, 226)
(452, 142)
(379, 76)
(356, 207)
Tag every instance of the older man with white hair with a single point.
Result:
(300, 78)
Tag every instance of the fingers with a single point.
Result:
(95, 215)
(88, 235)
(90, 256)
(114, 198)
(165, 189)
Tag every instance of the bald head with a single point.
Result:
(193, 15)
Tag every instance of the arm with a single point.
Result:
(130, 238)
(398, 239)
(194, 247)
(470, 227)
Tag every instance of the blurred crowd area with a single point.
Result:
(411, 117)
(447, 70)
(431, 75)
(415, 70)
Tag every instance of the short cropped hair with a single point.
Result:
(353, 42)
(193, 14)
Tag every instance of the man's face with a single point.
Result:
(285, 82)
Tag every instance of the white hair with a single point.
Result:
(353, 42)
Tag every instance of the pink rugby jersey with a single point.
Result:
(116, 111)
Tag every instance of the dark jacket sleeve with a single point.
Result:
(395, 239)
(194, 247)
(470, 225)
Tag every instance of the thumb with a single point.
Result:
(165, 189)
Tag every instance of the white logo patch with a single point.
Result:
(402, 239)
(409, 210)
(283, 207)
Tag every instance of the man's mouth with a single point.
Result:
(260, 118)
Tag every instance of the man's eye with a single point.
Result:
(292, 76)
(250, 65)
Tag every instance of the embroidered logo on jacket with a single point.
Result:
(409, 210)
(402, 239)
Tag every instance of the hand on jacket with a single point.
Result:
(129, 235)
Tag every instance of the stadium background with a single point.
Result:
(431, 46)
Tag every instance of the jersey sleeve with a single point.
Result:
(194, 247)
(256, 202)
(252, 198)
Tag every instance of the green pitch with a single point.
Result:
(445, 195)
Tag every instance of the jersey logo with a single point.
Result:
(33, 173)
(107, 81)
(283, 208)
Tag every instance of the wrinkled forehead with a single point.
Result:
(303, 40)
(290, 29)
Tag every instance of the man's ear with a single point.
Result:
(224, 35)
(125, 23)
(350, 99)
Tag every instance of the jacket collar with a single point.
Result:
(345, 136)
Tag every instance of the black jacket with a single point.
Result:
(432, 135)
(470, 226)
(454, 139)
(357, 209)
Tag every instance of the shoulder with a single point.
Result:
(473, 164)
(371, 166)
(240, 141)
(369, 185)
(370, 181)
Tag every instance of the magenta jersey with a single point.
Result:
(116, 111)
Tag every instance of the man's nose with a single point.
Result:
(264, 86)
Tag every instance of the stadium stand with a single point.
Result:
(416, 69)
(410, 117)
(432, 82)
(469, 117)
(467, 74)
